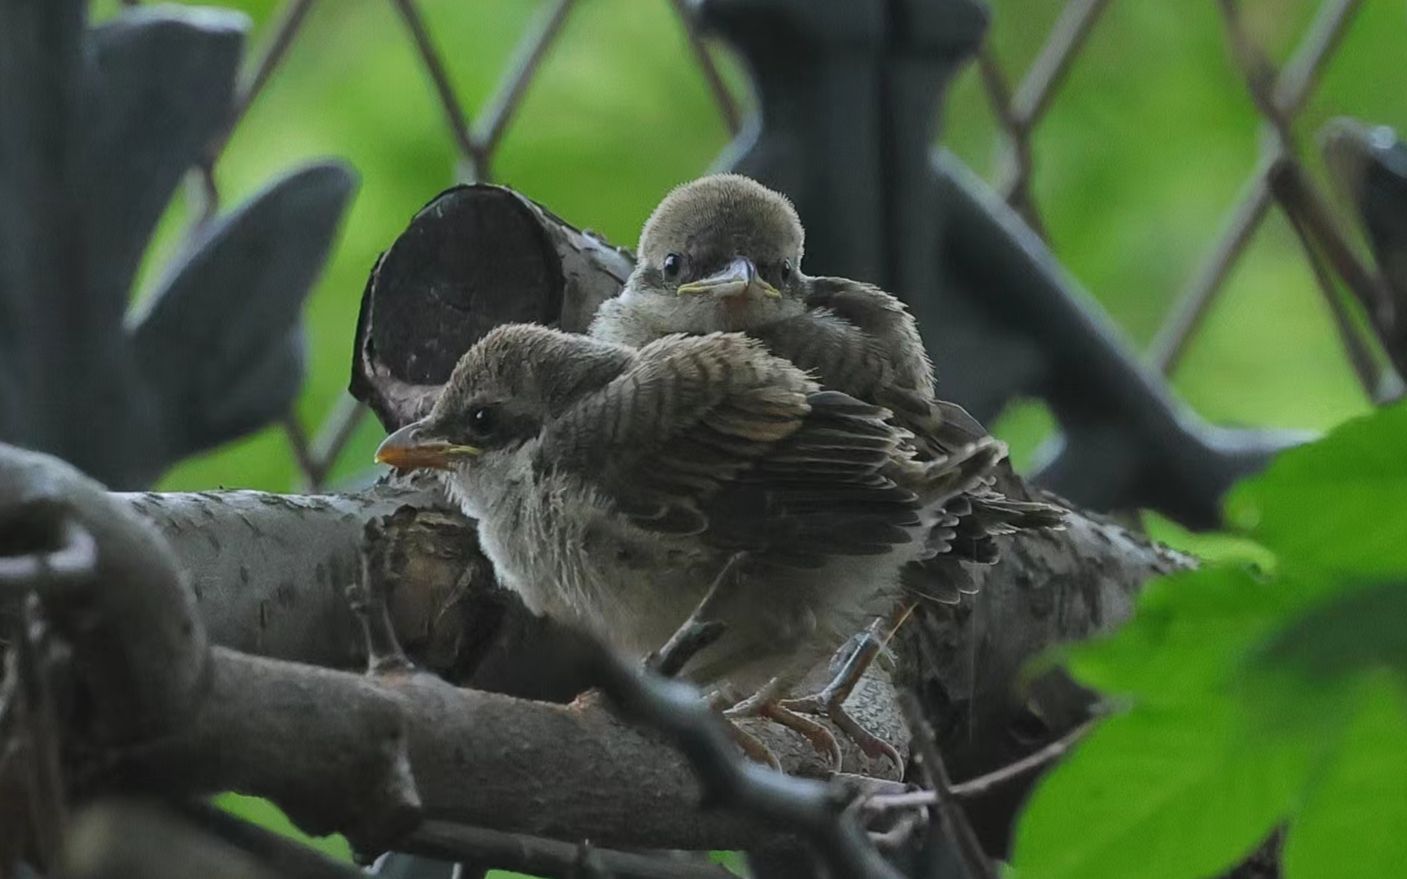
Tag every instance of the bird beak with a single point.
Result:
(738, 277)
(410, 448)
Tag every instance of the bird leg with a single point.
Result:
(695, 634)
(830, 701)
(697, 631)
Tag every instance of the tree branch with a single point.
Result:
(373, 757)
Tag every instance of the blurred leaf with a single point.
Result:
(1175, 794)
(266, 814)
(1211, 546)
(1253, 697)
(1188, 636)
(1351, 825)
(1355, 630)
(1335, 504)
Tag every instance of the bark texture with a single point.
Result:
(965, 660)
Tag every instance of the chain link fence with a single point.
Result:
(477, 135)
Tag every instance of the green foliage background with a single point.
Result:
(1142, 153)
(1144, 150)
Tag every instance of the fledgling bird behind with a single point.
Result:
(612, 485)
(724, 253)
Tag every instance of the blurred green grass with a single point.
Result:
(1143, 151)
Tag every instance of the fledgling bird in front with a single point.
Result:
(724, 253)
(613, 486)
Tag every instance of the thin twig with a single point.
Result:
(528, 58)
(439, 77)
(983, 784)
(1030, 763)
(540, 856)
(726, 105)
(954, 819)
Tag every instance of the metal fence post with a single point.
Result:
(849, 95)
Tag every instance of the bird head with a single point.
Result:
(501, 393)
(725, 242)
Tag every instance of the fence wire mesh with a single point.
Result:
(1278, 97)
(477, 135)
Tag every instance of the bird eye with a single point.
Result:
(483, 420)
(786, 270)
(673, 264)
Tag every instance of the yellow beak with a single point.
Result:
(738, 277)
(410, 449)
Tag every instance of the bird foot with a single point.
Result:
(751, 746)
(817, 734)
(830, 701)
(872, 745)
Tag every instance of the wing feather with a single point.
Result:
(714, 437)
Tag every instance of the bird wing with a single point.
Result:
(883, 366)
(711, 436)
(860, 340)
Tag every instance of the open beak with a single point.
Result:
(737, 278)
(410, 448)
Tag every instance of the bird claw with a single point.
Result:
(830, 701)
(820, 738)
(828, 707)
(751, 746)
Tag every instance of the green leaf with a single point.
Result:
(1354, 821)
(1305, 679)
(1335, 504)
(266, 814)
(1357, 628)
(1190, 632)
(1158, 795)
(1209, 546)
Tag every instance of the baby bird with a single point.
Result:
(617, 488)
(724, 253)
